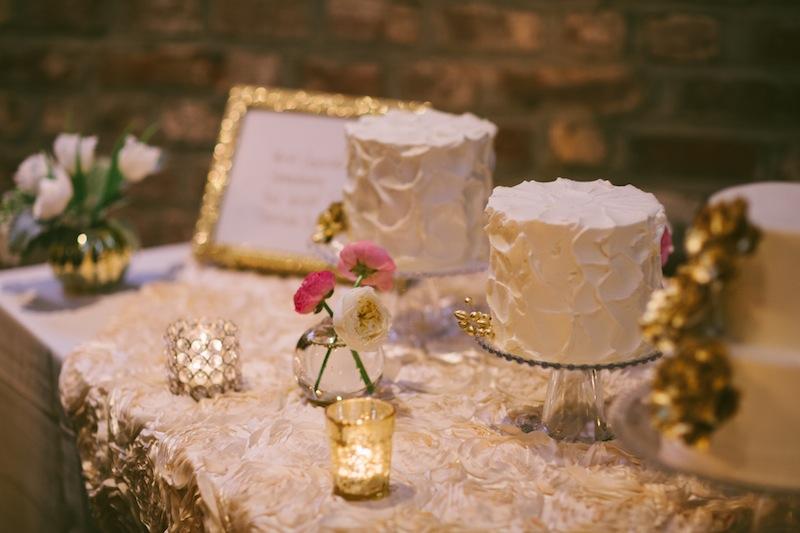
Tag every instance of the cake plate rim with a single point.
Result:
(329, 253)
(644, 441)
(489, 347)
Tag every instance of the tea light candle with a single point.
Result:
(361, 432)
(203, 357)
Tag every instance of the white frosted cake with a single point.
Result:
(760, 444)
(572, 265)
(417, 184)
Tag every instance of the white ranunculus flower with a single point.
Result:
(30, 172)
(361, 320)
(137, 159)
(54, 194)
(68, 147)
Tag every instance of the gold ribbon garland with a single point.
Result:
(692, 391)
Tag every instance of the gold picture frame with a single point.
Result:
(241, 100)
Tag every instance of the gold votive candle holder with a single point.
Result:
(203, 357)
(360, 431)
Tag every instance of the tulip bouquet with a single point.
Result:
(360, 321)
(65, 194)
(71, 187)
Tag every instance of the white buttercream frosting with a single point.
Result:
(760, 445)
(572, 265)
(417, 185)
(761, 306)
(762, 303)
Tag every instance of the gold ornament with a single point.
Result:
(474, 323)
(330, 223)
(692, 392)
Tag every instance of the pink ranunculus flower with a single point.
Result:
(312, 292)
(666, 245)
(367, 259)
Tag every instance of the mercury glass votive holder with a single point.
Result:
(203, 357)
(360, 431)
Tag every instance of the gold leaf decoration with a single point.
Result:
(692, 392)
(474, 323)
(330, 223)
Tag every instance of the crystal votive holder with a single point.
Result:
(203, 357)
(360, 431)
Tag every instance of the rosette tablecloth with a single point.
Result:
(258, 460)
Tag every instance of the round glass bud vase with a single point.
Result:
(341, 378)
(93, 259)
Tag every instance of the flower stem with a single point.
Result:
(363, 372)
(326, 307)
(324, 364)
(359, 279)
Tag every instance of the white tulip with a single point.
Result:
(69, 147)
(137, 159)
(30, 172)
(361, 320)
(54, 194)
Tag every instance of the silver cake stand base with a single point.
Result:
(777, 508)
(574, 406)
(421, 312)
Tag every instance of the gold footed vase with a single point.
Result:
(91, 260)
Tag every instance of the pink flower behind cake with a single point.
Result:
(368, 261)
(316, 287)
(666, 246)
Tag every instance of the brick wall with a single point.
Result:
(677, 97)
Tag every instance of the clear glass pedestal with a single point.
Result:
(574, 406)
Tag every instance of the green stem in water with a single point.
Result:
(363, 372)
(324, 364)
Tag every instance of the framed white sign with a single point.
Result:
(280, 160)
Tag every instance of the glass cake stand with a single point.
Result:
(776, 508)
(574, 406)
(421, 313)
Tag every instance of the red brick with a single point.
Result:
(371, 20)
(170, 65)
(260, 18)
(513, 147)
(62, 113)
(161, 225)
(594, 33)
(253, 68)
(777, 41)
(166, 16)
(789, 166)
(190, 121)
(484, 26)
(681, 37)
(116, 112)
(741, 101)
(447, 84)
(6, 11)
(694, 157)
(576, 139)
(42, 65)
(16, 114)
(180, 182)
(80, 16)
(352, 78)
(606, 88)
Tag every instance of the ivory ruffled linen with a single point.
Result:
(258, 460)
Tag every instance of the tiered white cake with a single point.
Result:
(761, 443)
(417, 185)
(572, 265)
